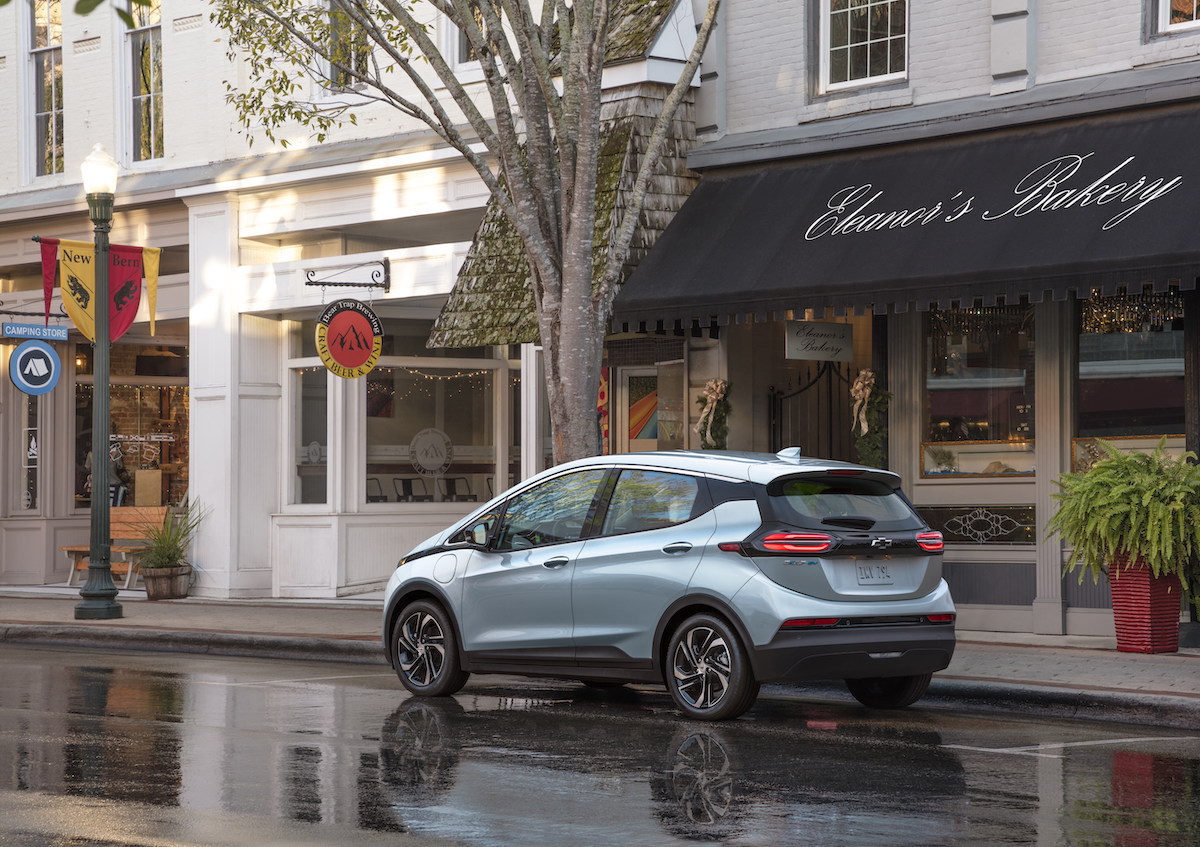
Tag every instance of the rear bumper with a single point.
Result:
(854, 653)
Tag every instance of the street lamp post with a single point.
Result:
(100, 593)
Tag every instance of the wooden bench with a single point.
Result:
(127, 528)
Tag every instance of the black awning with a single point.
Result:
(1105, 203)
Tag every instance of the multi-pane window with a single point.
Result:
(863, 40)
(145, 52)
(979, 391)
(46, 59)
(1131, 365)
(349, 47)
(1179, 13)
(466, 53)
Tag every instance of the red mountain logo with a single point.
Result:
(350, 339)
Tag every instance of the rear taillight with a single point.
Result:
(731, 547)
(796, 542)
(801, 623)
(940, 618)
(931, 541)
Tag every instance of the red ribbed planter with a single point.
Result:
(1145, 609)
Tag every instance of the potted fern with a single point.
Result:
(1135, 518)
(163, 561)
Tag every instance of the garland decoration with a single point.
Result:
(714, 410)
(868, 413)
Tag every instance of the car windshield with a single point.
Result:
(841, 501)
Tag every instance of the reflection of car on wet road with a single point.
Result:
(492, 768)
(710, 572)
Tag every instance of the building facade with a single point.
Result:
(314, 484)
(981, 204)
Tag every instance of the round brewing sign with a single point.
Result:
(349, 338)
(431, 452)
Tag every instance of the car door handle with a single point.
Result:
(677, 547)
(556, 562)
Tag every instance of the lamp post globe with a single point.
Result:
(99, 594)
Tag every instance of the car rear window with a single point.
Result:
(650, 500)
(841, 501)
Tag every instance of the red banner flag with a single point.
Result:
(124, 286)
(49, 271)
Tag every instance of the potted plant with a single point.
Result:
(1135, 517)
(166, 571)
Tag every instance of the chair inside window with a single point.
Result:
(457, 489)
(411, 490)
(375, 490)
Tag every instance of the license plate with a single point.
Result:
(874, 574)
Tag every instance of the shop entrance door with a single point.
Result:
(650, 410)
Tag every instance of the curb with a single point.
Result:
(1015, 700)
(209, 643)
(1040, 701)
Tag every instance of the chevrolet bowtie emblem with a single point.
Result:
(881, 543)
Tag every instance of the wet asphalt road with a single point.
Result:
(139, 749)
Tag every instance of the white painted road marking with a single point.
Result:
(1036, 749)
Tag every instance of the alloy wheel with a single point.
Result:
(421, 649)
(701, 667)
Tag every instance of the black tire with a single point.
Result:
(425, 648)
(707, 671)
(889, 692)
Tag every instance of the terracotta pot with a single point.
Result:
(167, 583)
(1145, 609)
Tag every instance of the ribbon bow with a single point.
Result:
(860, 392)
(714, 392)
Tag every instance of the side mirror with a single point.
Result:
(476, 535)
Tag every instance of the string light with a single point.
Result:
(1130, 312)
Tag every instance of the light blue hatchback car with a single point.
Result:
(710, 572)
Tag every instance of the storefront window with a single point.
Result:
(147, 461)
(1130, 375)
(30, 451)
(979, 392)
(430, 428)
(311, 450)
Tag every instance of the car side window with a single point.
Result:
(650, 500)
(550, 513)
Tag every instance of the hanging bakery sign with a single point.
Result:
(349, 338)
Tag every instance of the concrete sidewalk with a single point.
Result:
(1014, 674)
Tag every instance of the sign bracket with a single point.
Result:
(376, 275)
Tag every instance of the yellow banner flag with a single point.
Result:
(150, 271)
(77, 277)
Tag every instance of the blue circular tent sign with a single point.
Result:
(35, 367)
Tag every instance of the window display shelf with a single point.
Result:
(1085, 452)
(976, 459)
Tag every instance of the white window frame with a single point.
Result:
(35, 55)
(824, 48)
(1164, 17)
(451, 42)
(331, 88)
(131, 98)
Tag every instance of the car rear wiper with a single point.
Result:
(850, 522)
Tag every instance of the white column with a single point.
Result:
(533, 399)
(235, 411)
